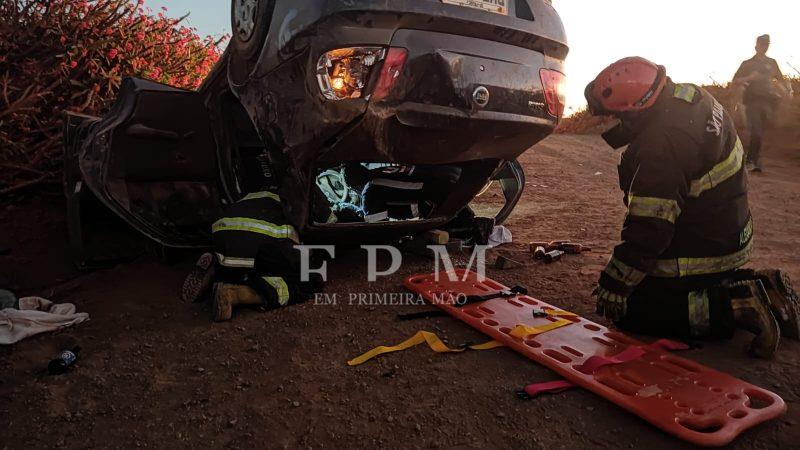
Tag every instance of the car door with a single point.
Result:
(153, 161)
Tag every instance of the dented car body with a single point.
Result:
(306, 87)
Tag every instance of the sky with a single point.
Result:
(699, 41)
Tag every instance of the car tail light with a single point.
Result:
(344, 73)
(390, 72)
(554, 85)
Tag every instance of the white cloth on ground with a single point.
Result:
(34, 316)
(500, 235)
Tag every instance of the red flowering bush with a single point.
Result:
(71, 55)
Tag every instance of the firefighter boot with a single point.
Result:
(783, 300)
(199, 279)
(226, 296)
(751, 312)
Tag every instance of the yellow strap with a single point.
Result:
(559, 313)
(436, 344)
(431, 339)
(487, 345)
(524, 331)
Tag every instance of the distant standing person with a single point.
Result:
(761, 96)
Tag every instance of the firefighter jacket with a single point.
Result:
(256, 244)
(686, 193)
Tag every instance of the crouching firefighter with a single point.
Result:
(255, 261)
(688, 230)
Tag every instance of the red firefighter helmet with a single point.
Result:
(629, 85)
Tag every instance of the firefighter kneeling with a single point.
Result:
(255, 261)
(689, 229)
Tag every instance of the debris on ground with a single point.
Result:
(551, 257)
(63, 362)
(437, 237)
(552, 251)
(35, 316)
(500, 236)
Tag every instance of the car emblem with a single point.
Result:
(481, 96)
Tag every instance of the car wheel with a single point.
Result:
(250, 21)
(512, 181)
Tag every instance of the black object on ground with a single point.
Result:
(63, 362)
(539, 313)
(553, 256)
(482, 228)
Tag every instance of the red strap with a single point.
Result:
(669, 346)
(595, 363)
(552, 387)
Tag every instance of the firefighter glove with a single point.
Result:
(610, 304)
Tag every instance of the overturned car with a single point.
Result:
(366, 117)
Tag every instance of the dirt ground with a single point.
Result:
(157, 373)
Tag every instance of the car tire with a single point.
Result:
(511, 177)
(250, 23)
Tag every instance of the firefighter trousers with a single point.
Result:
(683, 308)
